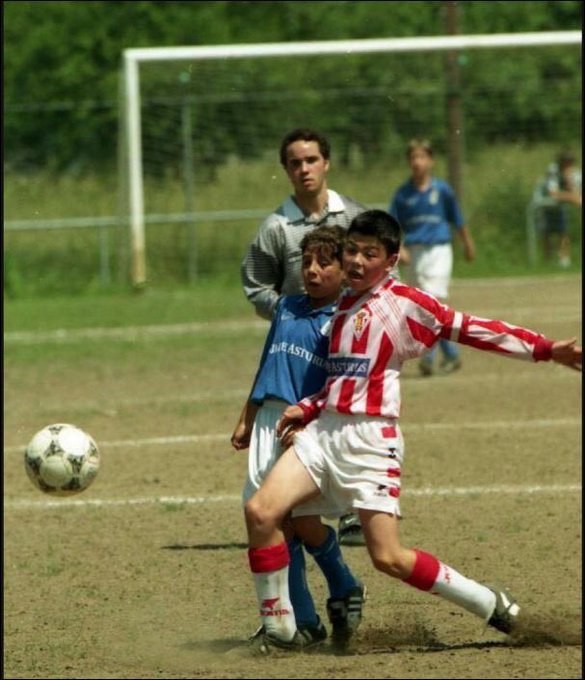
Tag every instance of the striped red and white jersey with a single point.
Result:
(374, 333)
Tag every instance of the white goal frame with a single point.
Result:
(134, 57)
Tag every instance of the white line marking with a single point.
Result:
(117, 502)
(132, 332)
(110, 409)
(408, 427)
(493, 424)
(564, 314)
(64, 503)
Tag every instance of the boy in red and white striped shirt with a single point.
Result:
(351, 447)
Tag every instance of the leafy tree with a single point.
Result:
(62, 60)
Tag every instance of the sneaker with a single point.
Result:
(265, 644)
(345, 614)
(313, 635)
(450, 364)
(505, 614)
(262, 643)
(350, 531)
(425, 367)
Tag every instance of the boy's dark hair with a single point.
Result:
(566, 158)
(380, 224)
(306, 135)
(327, 239)
(419, 143)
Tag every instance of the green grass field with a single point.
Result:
(498, 185)
(145, 574)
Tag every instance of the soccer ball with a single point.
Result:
(61, 459)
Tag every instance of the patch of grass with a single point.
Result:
(498, 183)
(169, 506)
(210, 300)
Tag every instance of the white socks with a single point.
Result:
(469, 594)
(276, 610)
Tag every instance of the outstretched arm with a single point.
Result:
(568, 353)
(518, 342)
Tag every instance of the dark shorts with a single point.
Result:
(555, 221)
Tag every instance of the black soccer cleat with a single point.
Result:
(350, 531)
(345, 614)
(505, 615)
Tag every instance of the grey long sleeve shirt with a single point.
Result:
(272, 264)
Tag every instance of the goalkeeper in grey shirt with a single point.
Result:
(272, 264)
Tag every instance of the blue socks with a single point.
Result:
(449, 349)
(330, 560)
(300, 596)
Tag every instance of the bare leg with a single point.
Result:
(564, 250)
(287, 484)
(386, 552)
(310, 529)
(420, 569)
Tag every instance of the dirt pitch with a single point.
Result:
(144, 575)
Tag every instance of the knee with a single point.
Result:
(391, 563)
(310, 530)
(258, 514)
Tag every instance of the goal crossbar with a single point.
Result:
(133, 57)
(420, 44)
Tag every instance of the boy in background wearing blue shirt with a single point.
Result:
(426, 207)
(294, 365)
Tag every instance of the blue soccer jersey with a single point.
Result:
(294, 359)
(426, 216)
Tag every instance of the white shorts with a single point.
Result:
(430, 268)
(354, 460)
(265, 449)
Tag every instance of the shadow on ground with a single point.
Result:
(205, 546)
(534, 630)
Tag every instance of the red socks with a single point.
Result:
(425, 571)
(272, 558)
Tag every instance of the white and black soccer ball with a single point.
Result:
(62, 459)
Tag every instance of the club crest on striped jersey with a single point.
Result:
(360, 322)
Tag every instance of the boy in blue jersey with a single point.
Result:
(294, 365)
(271, 265)
(427, 208)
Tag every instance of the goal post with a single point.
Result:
(134, 58)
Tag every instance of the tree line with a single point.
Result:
(62, 63)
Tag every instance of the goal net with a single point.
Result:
(202, 127)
